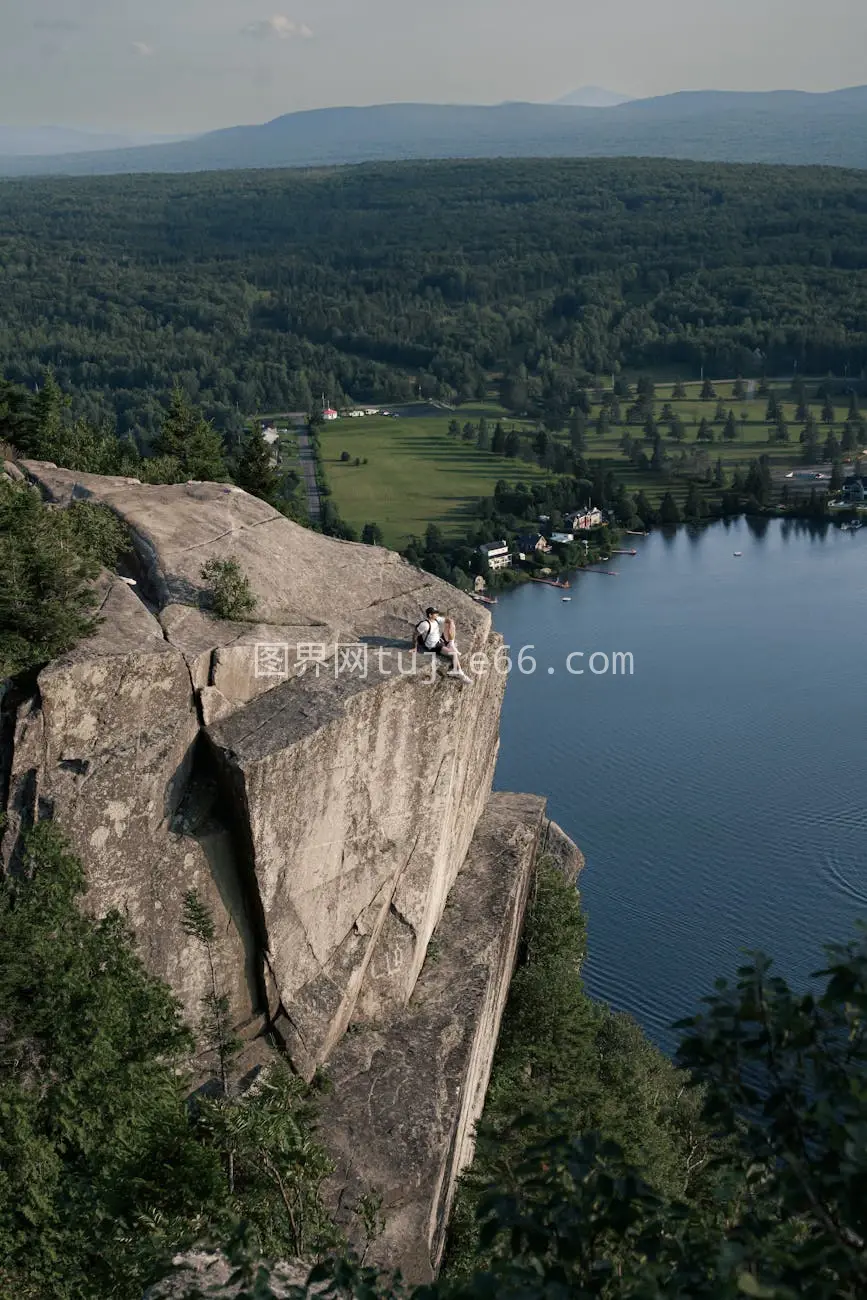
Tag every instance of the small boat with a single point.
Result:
(854, 527)
(738, 554)
(565, 599)
(844, 528)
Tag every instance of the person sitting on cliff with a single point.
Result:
(429, 633)
(430, 638)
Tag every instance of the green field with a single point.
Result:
(415, 473)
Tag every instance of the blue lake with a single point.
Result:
(720, 792)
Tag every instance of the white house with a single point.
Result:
(496, 554)
(581, 521)
(563, 539)
(330, 414)
(271, 435)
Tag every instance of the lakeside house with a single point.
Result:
(581, 521)
(330, 414)
(533, 543)
(496, 554)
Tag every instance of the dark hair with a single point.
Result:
(429, 613)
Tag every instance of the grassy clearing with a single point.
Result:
(415, 473)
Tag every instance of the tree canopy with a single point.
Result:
(262, 291)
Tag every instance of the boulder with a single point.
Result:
(562, 852)
(205, 1273)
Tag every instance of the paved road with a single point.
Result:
(308, 469)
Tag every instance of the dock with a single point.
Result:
(549, 582)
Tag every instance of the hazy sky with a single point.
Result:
(184, 65)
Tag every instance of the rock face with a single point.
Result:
(561, 851)
(106, 745)
(326, 795)
(407, 1095)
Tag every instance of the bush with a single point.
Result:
(231, 594)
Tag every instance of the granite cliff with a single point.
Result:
(336, 817)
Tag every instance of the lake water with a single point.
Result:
(719, 793)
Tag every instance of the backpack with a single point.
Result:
(422, 631)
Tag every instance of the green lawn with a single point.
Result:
(750, 443)
(415, 473)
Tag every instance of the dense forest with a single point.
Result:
(262, 291)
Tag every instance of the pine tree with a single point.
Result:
(693, 504)
(669, 511)
(498, 442)
(16, 416)
(578, 432)
(46, 598)
(255, 473)
(730, 432)
(192, 442)
(657, 460)
(371, 535)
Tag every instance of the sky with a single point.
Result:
(192, 65)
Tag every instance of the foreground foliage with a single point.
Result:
(625, 1178)
(567, 1064)
(99, 1167)
(776, 1213)
(105, 1169)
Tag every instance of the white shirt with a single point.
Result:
(431, 633)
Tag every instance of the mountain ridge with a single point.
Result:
(791, 127)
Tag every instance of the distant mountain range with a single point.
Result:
(52, 141)
(594, 97)
(726, 126)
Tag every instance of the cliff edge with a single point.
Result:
(329, 800)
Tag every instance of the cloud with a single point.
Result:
(144, 51)
(57, 25)
(279, 28)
